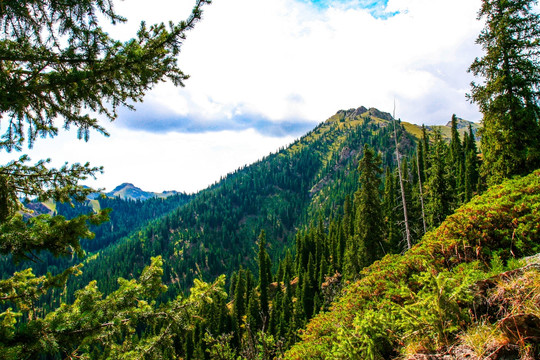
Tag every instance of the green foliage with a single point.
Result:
(508, 98)
(56, 60)
(368, 337)
(437, 312)
(105, 326)
(61, 237)
(219, 348)
(265, 277)
(427, 290)
(365, 247)
(439, 194)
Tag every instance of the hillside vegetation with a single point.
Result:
(216, 232)
(446, 294)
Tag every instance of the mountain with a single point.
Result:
(126, 216)
(289, 233)
(130, 191)
(216, 232)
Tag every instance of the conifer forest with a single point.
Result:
(368, 237)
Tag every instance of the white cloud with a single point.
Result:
(260, 57)
(157, 162)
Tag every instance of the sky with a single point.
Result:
(264, 72)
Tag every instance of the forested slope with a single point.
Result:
(125, 217)
(421, 302)
(216, 232)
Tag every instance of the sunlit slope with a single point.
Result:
(424, 300)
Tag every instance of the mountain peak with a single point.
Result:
(363, 111)
(353, 112)
(123, 186)
(130, 191)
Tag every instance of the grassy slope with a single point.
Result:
(505, 220)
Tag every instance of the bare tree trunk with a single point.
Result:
(407, 230)
(421, 190)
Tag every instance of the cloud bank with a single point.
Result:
(281, 66)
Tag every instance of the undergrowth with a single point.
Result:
(427, 300)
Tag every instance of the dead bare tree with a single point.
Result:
(404, 201)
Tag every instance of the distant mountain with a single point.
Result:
(129, 191)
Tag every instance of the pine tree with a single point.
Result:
(239, 297)
(56, 60)
(456, 162)
(508, 99)
(471, 164)
(254, 315)
(420, 171)
(426, 151)
(392, 233)
(287, 312)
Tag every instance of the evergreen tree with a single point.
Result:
(457, 163)
(366, 246)
(426, 151)
(239, 297)
(421, 181)
(348, 217)
(309, 287)
(392, 233)
(508, 99)
(57, 59)
(439, 197)
(471, 165)
(264, 280)
(286, 312)
(254, 318)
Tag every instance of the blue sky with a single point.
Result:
(377, 8)
(264, 72)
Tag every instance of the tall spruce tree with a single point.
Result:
(239, 309)
(366, 246)
(508, 96)
(471, 164)
(439, 193)
(393, 232)
(457, 162)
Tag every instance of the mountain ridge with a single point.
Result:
(129, 191)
